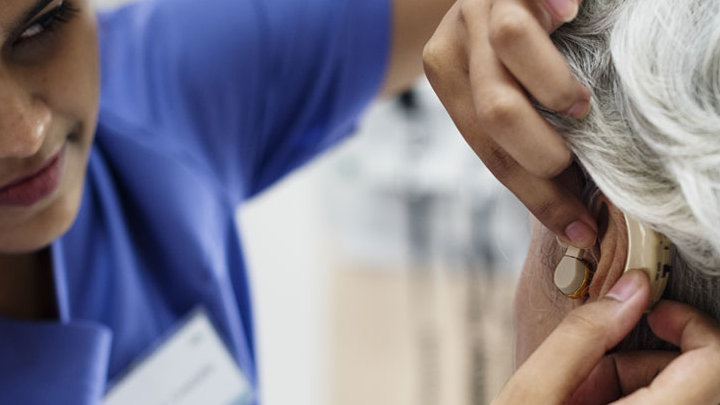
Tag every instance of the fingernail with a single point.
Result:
(580, 234)
(579, 109)
(626, 287)
(565, 9)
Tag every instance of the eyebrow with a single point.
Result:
(17, 27)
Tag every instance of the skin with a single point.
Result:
(483, 61)
(562, 344)
(414, 22)
(49, 101)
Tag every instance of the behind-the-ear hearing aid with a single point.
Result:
(648, 251)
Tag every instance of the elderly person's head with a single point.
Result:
(651, 146)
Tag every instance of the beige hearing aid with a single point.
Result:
(573, 274)
(648, 251)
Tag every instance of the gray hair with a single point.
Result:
(652, 140)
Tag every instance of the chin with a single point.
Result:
(39, 231)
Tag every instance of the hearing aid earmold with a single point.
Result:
(647, 250)
(573, 274)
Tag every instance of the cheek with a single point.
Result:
(70, 81)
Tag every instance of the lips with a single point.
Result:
(35, 186)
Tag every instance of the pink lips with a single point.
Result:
(30, 189)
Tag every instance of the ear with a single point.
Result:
(610, 252)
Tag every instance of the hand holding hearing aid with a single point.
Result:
(571, 365)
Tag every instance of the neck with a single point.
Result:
(26, 286)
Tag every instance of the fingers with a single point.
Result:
(684, 326)
(638, 369)
(524, 48)
(515, 134)
(620, 374)
(692, 377)
(446, 66)
(559, 366)
(562, 10)
(502, 106)
(492, 111)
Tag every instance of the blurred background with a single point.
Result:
(383, 273)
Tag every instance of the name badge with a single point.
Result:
(191, 367)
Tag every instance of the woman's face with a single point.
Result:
(49, 84)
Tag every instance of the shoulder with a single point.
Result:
(159, 57)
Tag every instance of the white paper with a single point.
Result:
(192, 367)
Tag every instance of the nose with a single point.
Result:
(24, 120)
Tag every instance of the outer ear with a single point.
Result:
(574, 272)
(610, 252)
(624, 243)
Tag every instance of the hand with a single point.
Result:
(483, 61)
(570, 366)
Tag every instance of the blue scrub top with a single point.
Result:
(204, 104)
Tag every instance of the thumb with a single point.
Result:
(566, 358)
(620, 374)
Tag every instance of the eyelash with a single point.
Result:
(63, 13)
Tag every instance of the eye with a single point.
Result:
(34, 30)
(62, 13)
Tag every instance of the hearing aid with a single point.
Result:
(647, 250)
(573, 274)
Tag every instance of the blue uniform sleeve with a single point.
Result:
(246, 89)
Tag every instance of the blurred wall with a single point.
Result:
(384, 272)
